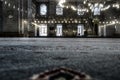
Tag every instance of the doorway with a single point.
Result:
(96, 29)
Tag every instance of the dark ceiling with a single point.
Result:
(106, 2)
(92, 1)
(108, 13)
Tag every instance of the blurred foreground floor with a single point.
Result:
(20, 58)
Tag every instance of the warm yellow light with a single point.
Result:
(73, 8)
(101, 5)
(87, 10)
(84, 2)
(67, 7)
(41, 21)
(14, 7)
(25, 21)
(9, 4)
(117, 22)
(48, 21)
(5, 2)
(61, 3)
(89, 4)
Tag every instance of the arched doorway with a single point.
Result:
(96, 29)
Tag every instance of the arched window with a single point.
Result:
(43, 30)
(97, 9)
(80, 30)
(59, 10)
(43, 9)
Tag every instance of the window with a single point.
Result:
(59, 10)
(43, 9)
(96, 9)
(43, 30)
(59, 30)
(80, 30)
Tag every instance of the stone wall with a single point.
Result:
(15, 17)
(10, 17)
(1, 17)
(118, 29)
(110, 31)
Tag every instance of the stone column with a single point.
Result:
(23, 22)
(105, 31)
(52, 8)
(19, 17)
(99, 31)
(1, 16)
(35, 30)
(29, 15)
